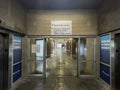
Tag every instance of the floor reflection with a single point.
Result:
(61, 63)
(39, 66)
(61, 75)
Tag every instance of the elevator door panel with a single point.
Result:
(1, 62)
(4, 62)
(117, 61)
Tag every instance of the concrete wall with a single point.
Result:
(14, 17)
(109, 20)
(109, 16)
(90, 56)
(32, 57)
(84, 22)
(25, 57)
(13, 14)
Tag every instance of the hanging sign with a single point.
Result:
(61, 27)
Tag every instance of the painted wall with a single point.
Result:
(13, 14)
(84, 22)
(109, 16)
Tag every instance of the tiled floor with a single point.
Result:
(61, 75)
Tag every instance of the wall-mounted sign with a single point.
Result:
(17, 49)
(105, 58)
(16, 71)
(35, 48)
(17, 58)
(61, 27)
(105, 73)
(105, 49)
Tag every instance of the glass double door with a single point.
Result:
(85, 53)
(86, 57)
(37, 56)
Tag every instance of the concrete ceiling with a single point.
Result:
(61, 4)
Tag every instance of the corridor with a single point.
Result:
(61, 63)
(59, 44)
(61, 75)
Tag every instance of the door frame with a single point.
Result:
(113, 58)
(44, 53)
(61, 36)
(10, 33)
(79, 60)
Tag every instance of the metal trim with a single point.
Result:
(99, 58)
(105, 64)
(44, 59)
(28, 55)
(78, 58)
(10, 60)
(53, 36)
(17, 63)
(94, 56)
(110, 62)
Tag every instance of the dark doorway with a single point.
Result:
(4, 45)
(117, 61)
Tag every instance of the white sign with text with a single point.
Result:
(61, 27)
(35, 48)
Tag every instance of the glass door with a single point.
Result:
(37, 56)
(86, 62)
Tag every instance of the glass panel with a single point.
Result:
(87, 68)
(87, 56)
(83, 49)
(39, 67)
(39, 57)
(40, 53)
(36, 56)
